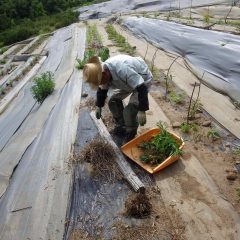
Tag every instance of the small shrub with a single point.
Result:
(187, 127)
(3, 49)
(213, 134)
(238, 192)
(2, 90)
(176, 98)
(206, 19)
(103, 53)
(220, 21)
(194, 108)
(43, 86)
(3, 61)
(155, 72)
(11, 83)
(237, 151)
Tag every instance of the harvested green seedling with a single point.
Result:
(160, 147)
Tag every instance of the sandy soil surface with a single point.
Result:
(196, 187)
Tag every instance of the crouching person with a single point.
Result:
(128, 76)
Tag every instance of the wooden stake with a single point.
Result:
(190, 103)
(124, 166)
(166, 82)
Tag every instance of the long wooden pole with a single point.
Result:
(124, 166)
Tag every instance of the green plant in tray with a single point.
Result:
(160, 147)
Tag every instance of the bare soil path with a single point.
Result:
(196, 186)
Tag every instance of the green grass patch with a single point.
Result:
(176, 98)
(2, 90)
(188, 127)
(120, 40)
(3, 61)
(206, 19)
(238, 192)
(95, 47)
(213, 134)
(237, 151)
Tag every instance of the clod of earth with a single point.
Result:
(231, 174)
(207, 123)
(176, 125)
(84, 94)
(138, 206)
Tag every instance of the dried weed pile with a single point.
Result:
(79, 234)
(138, 206)
(89, 102)
(142, 232)
(108, 119)
(100, 155)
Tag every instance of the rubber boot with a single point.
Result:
(130, 119)
(116, 108)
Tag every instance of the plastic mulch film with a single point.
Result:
(132, 6)
(215, 53)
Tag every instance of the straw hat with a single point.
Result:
(92, 71)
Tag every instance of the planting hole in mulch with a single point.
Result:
(138, 206)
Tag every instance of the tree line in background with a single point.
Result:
(20, 19)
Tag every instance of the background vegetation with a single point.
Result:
(21, 19)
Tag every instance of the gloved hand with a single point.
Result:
(98, 112)
(141, 116)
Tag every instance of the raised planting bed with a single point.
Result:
(155, 149)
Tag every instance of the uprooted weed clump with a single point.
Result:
(138, 206)
(100, 155)
(89, 102)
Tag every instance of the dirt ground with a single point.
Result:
(155, 226)
(215, 154)
(198, 143)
